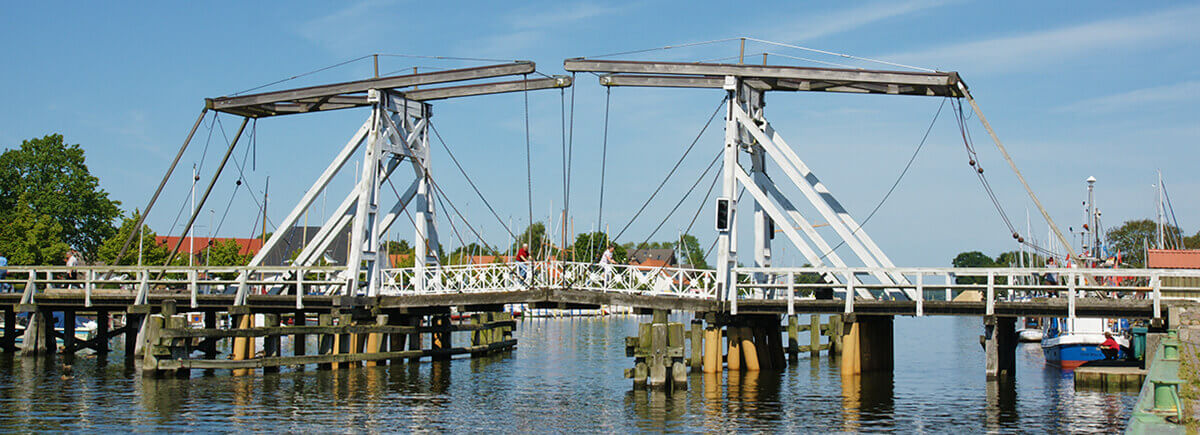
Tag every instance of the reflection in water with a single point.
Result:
(566, 377)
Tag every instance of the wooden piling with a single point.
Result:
(10, 329)
(242, 345)
(133, 326)
(697, 339)
(814, 336)
(150, 349)
(733, 338)
(325, 345)
(793, 338)
(375, 339)
(272, 344)
(68, 333)
(440, 341)
(749, 350)
(836, 327)
(414, 339)
(712, 349)
(299, 340)
(850, 363)
(102, 326)
(396, 341)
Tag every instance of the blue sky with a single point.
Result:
(1106, 89)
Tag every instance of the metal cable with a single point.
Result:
(847, 56)
(528, 159)
(469, 181)
(887, 195)
(674, 168)
(603, 161)
(665, 47)
(301, 75)
(685, 196)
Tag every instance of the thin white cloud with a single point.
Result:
(558, 16)
(351, 28)
(523, 29)
(1038, 48)
(1185, 91)
(815, 26)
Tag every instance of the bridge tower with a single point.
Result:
(396, 131)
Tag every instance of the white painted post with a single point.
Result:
(734, 293)
(920, 294)
(143, 287)
(791, 277)
(1156, 286)
(30, 287)
(240, 299)
(194, 285)
(299, 288)
(949, 292)
(849, 292)
(1071, 299)
(87, 287)
(991, 293)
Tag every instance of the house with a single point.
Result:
(652, 257)
(197, 245)
(1175, 259)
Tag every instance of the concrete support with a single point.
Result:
(868, 345)
(1000, 347)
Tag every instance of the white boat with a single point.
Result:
(1031, 330)
(1068, 343)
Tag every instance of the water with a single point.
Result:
(566, 376)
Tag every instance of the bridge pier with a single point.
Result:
(1000, 347)
(868, 345)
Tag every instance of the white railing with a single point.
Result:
(139, 281)
(992, 284)
(494, 277)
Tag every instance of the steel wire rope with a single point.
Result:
(528, 161)
(469, 180)
(674, 168)
(301, 75)
(843, 55)
(603, 164)
(699, 179)
(703, 201)
(570, 154)
(184, 202)
(241, 170)
(896, 183)
(665, 47)
(472, 59)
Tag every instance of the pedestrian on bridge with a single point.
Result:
(522, 259)
(606, 261)
(72, 262)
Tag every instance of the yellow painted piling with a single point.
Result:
(749, 350)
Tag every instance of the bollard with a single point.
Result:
(1170, 350)
(1166, 395)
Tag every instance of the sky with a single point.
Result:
(1104, 89)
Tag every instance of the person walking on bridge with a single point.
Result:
(606, 262)
(522, 261)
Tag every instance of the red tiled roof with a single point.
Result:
(1174, 259)
(249, 246)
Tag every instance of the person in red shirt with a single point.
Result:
(522, 258)
(1109, 347)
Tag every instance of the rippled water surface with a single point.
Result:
(566, 376)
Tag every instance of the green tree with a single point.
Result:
(53, 178)
(1013, 259)
(589, 246)
(226, 253)
(1131, 238)
(463, 254)
(152, 252)
(535, 235)
(972, 259)
(690, 252)
(31, 238)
